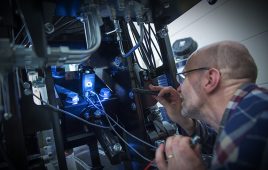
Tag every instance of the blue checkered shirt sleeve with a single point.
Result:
(243, 140)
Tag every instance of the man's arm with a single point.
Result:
(171, 100)
(172, 104)
(190, 127)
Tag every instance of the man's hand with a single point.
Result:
(180, 155)
(170, 99)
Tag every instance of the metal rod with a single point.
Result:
(55, 122)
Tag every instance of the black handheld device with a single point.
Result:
(145, 91)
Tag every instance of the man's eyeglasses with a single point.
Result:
(181, 76)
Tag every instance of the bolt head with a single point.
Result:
(7, 116)
(117, 147)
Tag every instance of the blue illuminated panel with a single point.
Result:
(88, 82)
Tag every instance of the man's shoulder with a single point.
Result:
(254, 89)
(247, 97)
(256, 97)
(259, 92)
(244, 130)
(251, 105)
(250, 93)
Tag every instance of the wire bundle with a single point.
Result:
(100, 126)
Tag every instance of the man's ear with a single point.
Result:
(212, 80)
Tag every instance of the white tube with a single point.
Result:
(93, 37)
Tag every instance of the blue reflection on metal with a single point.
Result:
(72, 98)
(55, 73)
(120, 91)
(98, 113)
(105, 93)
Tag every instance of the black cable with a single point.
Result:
(140, 50)
(146, 46)
(143, 50)
(65, 24)
(157, 49)
(142, 46)
(146, 55)
(24, 39)
(56, 22)
(132, 148)
(152, 31)
(136, 60)
(150, 45)
(149, 51)
(79, 28)
(70, 114)
(143, 59)
(23, 26)
(62, 26)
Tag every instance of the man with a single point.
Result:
(219, 90)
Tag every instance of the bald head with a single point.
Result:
(232, 58)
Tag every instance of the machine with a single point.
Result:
(67, 72)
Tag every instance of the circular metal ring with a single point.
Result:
(170, 156)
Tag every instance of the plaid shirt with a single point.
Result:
(242, 142)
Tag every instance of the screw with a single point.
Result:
(117, 147)
(133, 106)
(49, 28)
(49, 154)
(27, 92)
(166, 5)
(163, 32)
(7, 116)
(26, 85)
(98, 113)
(131, 95)
(48, 139)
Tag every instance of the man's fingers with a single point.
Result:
(160, 158)
(156, 88)
(165, 91)
(162, 100)
(197, 149)
(168, 146)
(183, 145)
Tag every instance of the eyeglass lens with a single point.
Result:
(180, 78)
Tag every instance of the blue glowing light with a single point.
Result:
(88, 82)
(105, 93)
